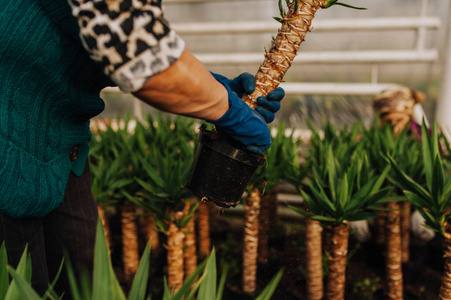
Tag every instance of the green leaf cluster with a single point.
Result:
(147, 164)
(341, 184)
(105, 284)
(405, 149)
(433, 199)
(165, 166)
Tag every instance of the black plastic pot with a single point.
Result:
(220, 171)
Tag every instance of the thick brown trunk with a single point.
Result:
(203, 227)
(263, 229)
(336, 276)
(314, 259)
(445, 288)
(151, 233)
(190, 253)
(285, 45)
(405, 230)
(175, 254)
(106, 226)
(130, 255)
(250, 242)
(393, 252)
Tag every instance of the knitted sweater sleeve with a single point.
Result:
(130, 39)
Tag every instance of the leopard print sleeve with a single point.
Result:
(130, 39)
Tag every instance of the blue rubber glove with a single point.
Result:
(241, 126)
(245, 84)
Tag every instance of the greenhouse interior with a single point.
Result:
(351, 199)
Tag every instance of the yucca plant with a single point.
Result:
(338, 192)
(109, 174)
(165, 168)
(433, 200)
(111, 156)
(404, 149)
(295, 23)
(264, 179)
(345, 143)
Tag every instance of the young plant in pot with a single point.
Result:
(112, 177)
(339, 192)
(432, 201)
(405, 150)
(164, 170)
(295, 23)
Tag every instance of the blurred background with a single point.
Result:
(347, 58)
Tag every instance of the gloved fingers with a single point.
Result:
(276, 95)
(266, 114)
(243, 83)
(257, 149)
(272, 106)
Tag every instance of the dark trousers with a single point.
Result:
(69, 228)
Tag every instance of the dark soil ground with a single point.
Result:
(365, 277)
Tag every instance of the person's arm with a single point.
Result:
(186, 88)
(136, 47)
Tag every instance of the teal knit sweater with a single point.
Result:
(49, 89)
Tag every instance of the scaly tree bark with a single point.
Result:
(106, 226)
(250, 242)
(151, 233)
(203, 227)
(278, 59)
(130, 255)
(175, 253)
(336, 276)
(190, 253)
(393, 252)
(314, 259)
(445, 288)
(406, 209)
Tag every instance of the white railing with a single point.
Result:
(422, 25)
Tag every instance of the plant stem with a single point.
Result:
(336, 276)
(250, 242)
(405, 230)
(314, 259)
(203, 224)
(278, 59)
(106, 226)
(393, 252)
(175, 253)
(190, 253)
(130, 255)
(151, 233)
(445, 288)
